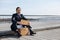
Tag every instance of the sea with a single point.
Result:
(42, 18)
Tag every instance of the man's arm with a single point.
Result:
(23, 17)
(13, 19)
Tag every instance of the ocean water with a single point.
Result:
(43, 18)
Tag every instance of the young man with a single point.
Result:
(16, 18)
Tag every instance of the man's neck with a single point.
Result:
(18, 13)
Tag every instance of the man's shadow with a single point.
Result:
(8, 34)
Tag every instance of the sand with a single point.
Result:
(34, 25)
(53, 34)
(41, 35)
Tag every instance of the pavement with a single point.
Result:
(44, 31)
(53, 34)
(35, 25)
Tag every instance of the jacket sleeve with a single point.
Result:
(13, 19)
(23, 17)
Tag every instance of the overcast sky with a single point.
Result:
(31, 7)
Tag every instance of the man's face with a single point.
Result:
(18, 10)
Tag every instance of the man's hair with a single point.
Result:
(17, 8)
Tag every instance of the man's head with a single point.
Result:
(18, 10)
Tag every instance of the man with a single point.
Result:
(16, 18)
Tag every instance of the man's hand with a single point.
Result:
(16, 29)
(28, 23)
(18, 22)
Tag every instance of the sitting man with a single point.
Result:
(16, 18)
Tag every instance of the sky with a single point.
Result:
(30, 7)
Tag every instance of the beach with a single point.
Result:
(34, 24)
(50, 34)
(53, 34)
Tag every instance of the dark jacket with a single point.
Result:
(15, 19)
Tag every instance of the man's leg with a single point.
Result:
(14, 28)
(18, 34)
(31, 32)
(29, 27)
(16, 31)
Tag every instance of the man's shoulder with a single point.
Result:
(22, 14)
(14, 14)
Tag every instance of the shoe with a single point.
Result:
(33, 33)
(19, 36)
